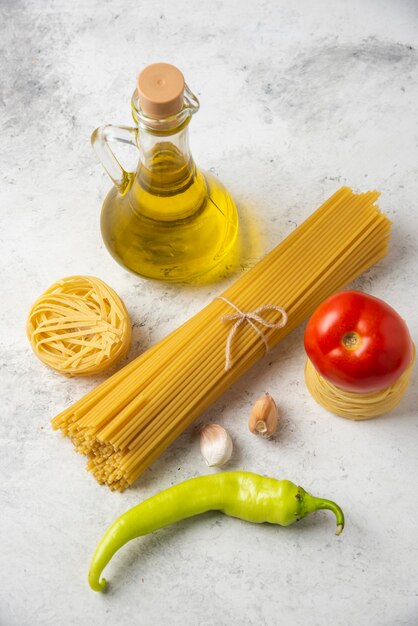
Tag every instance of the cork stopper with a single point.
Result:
(161, 89)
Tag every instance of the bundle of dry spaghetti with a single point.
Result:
(125, 424)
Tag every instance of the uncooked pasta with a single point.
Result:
(79, 326)
(129, 420)
(354, 405)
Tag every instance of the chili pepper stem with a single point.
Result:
(311, 503)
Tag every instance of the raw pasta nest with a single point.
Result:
(352, 405)
(79, 326)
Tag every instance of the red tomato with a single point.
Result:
(358, 342)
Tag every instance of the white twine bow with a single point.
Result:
(253, 316)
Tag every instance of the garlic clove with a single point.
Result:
(264, 416)
(215, 445)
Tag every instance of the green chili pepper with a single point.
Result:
(244, 495)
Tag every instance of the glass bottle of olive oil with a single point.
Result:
(168, 220)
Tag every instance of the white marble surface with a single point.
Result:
(297, 99)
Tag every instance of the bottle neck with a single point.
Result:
(167, 185)
(166, 165)
(165, 162)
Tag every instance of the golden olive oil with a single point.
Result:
(168, 220)
(178, 234)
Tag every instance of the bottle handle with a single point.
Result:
(100, 140)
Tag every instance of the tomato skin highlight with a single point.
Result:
(358, 342)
